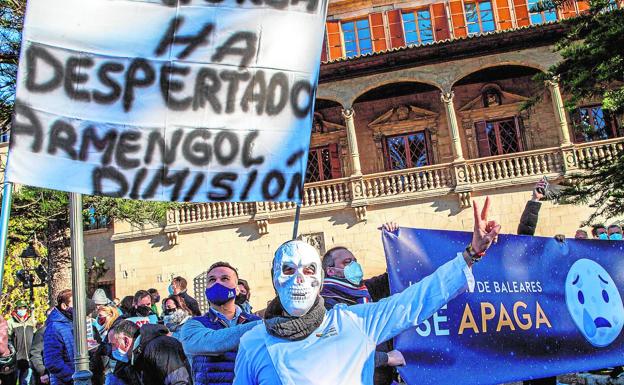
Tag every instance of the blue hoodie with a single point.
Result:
(58, 348)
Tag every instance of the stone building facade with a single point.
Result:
(420, 109)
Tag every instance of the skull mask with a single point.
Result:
(297, 276)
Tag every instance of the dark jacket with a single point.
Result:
(160, 359)
(36, 353)
(21, 333)
(217, 369)
(528, 220)
(191, 303)
(58, 348)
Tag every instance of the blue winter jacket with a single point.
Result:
(216, 369)
(58, 348)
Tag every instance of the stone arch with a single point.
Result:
(363, 88)
(478, 67)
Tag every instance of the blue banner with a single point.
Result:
(539, 308)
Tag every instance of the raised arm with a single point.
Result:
(198, 339)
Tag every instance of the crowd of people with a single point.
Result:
(327, 324)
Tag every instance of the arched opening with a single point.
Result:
(326, 143)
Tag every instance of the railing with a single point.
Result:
(408, 181)
(473, 174)
(512, 166)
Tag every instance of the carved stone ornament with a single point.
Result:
(464, 200)
(317, 240)
(172, 237)
(322, 126)
(263, 226)
(490, 88)
(360, 213)
(402, 114)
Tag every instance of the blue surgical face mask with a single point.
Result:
(218, 294)
(603, 236)
(353, 273)
(615, 237)
(21, 312)
(170, 289)
(120, 355)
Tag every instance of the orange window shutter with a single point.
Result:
(583, 5)
(504, 14)
(378, 32)
(440, 22)
(522, 13)
(457, 17)
(395, 25)
(334, 40)
(568, 10)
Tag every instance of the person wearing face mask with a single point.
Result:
(175, 314)
(211, 340)
(58, 341)
(178, 287)
(614, 232)
(243, 296)
(302, 343)
(21, 331)
(147, 355)
(155, 301)
(141, 312)
(344, 283)
(599, 231)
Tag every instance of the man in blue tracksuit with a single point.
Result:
(221, 291)
(301, 343)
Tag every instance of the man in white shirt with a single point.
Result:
(301, 343)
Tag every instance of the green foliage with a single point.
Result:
(593, 68)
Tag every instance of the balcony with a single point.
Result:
(359, 192)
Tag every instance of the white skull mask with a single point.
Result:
(297, 276)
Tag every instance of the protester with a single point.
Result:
(40, 373)
(599, 231)
(155, 301)
(300, 341)
(154, 356)
(100, 360)
(100, 299)
(141, 312)
(22, 327)
(116, 301)
(222, 283)
(58, 340)
(614, 231)
(126, 305)
(243, 296)
(581, 234)
(106, 316)
(175, 314)
(7, 355)
(178, 287)
(343, 283)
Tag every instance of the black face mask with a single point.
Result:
(169, 311)
(240, 299)
(143, 311)
(156, 299)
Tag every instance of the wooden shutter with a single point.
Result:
(429, 147)
(457, 17)
(378, 32)
(324, 54)
(568, 9)
(522, 13)
(483, 144)
(334, 39)
(583, 5)
(395, 25)
(440, 22)
(504, 14)
(334, 159)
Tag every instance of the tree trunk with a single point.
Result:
(59, 258)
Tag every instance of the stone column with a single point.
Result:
(348, 115)
(562, 120)
(447, 99)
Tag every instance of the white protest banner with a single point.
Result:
(173, 100)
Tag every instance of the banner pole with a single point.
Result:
(5, 214)
(296, 224)
(82, 375)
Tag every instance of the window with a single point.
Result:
(406, 151)
(499, 137)
(93, 221)
(357, 37)
(544, 16)
(479, 17)
(418, 27)
(593, 123)
(323, 164)
(4, 137)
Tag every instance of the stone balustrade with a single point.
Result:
(437, 180)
